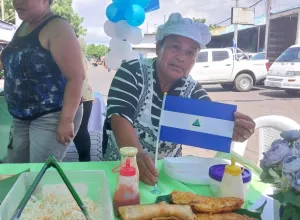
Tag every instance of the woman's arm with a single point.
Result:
(124, 133)
(121, 108)
(65, 49)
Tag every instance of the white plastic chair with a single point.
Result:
(270, 128)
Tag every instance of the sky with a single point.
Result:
(214, 11)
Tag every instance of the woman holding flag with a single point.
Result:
(137, 91)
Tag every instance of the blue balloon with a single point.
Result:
(142, 3)
(135, 15)
(114, 14)
(122, 4)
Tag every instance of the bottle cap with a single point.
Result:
(128, 151)
(232, 169)
(127, 170)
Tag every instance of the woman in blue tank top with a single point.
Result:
(44, 72)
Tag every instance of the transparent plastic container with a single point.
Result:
(91, 184)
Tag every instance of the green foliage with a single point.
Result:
(62, 8)
(256, 214)
(203, 20)
(96, 51)
(83, 45)
(166, 199)
(286, 196)
(9, 12)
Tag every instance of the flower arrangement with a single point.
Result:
(281, 168)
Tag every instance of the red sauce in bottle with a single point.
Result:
(127, 191)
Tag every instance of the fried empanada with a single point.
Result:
(157, 211)
(204, 204)
(166, 218)
(223, 216)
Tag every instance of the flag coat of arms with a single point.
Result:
(197, 123)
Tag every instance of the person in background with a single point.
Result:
(136, 95)
(43, 69)
(82, 139)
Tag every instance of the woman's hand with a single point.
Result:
(244, 127)
(65, 132)
(147, 170)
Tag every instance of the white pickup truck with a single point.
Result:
(222, 66)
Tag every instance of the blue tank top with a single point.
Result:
(33, 83)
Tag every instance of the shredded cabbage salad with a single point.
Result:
(54, 207)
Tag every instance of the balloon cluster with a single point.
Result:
(124, 17)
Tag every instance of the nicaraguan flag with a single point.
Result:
(197, 123)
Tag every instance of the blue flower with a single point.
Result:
(278, 151)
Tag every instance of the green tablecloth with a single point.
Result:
(5, 123)
(166, 184)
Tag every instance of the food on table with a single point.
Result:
(223, 216)
(166, 218)
(206, 204)
(54, 207)
(158, 211)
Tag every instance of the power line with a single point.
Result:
(255, 4)
(223, 21)
(248, 7)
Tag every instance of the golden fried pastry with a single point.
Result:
(223, 216)
(166, 218)
(204, 204)
(157, 212)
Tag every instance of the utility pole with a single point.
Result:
(236, 27)
(2, 10)
(268, 11)
(147, 28)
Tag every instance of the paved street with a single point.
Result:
(256, 103)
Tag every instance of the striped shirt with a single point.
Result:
(136, 95)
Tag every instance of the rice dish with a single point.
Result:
(54, 207)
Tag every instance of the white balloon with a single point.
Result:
(123, 30)
(112, 61)
(133, 56)
(121, 48)
(137, 35)
(110, 28)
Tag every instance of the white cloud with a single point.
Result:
(214, 11)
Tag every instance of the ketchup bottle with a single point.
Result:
(127, 190)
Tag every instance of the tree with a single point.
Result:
(62, 8)
(82, 45)
(9, 11)
(203, 20)
(96, 51)
(213, 26)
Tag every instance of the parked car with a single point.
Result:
(285, 71)
(259, 56)
(223, 66)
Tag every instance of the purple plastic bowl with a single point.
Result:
(216, 172)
